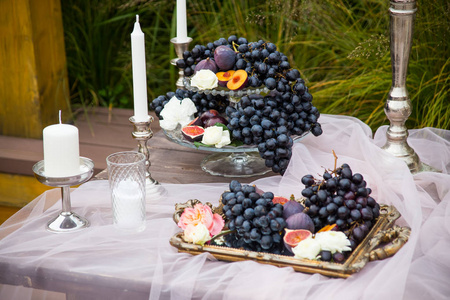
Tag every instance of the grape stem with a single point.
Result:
(234, 47)
(335, 159)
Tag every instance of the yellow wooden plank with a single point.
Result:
(19, 190)
(33, 76)
(50, 54)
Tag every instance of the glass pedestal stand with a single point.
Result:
(229, 161)
(241, 164)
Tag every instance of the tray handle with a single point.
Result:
(396, 237)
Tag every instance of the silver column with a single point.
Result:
(398, 104)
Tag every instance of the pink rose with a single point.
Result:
(201, 214)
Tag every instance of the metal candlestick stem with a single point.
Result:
(66, 221)
(179, 49)
(142, 133)
(398, 104)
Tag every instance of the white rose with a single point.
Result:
(177, 112)
(204, 79)
(187, 107)
(197, 234)
(217, 136)
(333, 241)
(225, 139)
(307, 249)
(212, 135)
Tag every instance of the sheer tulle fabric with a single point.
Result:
(420, 270)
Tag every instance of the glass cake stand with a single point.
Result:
(228, 161)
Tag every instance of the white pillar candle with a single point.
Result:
(61, 150)
(128, 205)
(181, 21)
(139, 73)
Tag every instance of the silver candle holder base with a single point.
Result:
(180, 47)
(398, 104)
(142, 133)
(66, 221)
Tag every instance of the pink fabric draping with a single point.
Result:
(420, 270)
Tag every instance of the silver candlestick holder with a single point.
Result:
(142, 133)
(398, 103)
(179, 49)
(66, 221)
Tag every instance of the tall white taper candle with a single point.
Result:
(139, 73)
(181, 21)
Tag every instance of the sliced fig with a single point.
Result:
(193, 133)
(279, 199)
(207, 64)
(197, 121)
(293, 237)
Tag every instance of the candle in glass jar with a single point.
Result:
(61, 150)
(139, 73)
(181, 21)
(128, 205)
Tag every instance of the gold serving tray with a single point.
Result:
(383, 240)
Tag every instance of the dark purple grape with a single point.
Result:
(338, 257)
(362, 201)
(355, 214)
(343, 212)
(344, 184)
(325, 255)
(366, 214)
(358, 234)
(351, 204)
(308, 180)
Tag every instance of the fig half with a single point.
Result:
(193, 133)
(293, 237)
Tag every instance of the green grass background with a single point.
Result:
(341, 48)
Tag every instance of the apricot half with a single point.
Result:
(224, 77)
(238, 81)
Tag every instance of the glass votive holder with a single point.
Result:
(126, 175)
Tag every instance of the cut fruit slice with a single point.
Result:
(238, 81)
(279, 199)
(224, 77)
(193, 133)
(293, 237)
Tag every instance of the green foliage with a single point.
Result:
(341, 48)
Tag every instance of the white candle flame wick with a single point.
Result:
(60, 117)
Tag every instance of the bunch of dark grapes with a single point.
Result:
(257, 223)
(270, 122)
(341, 198)
(202, 102)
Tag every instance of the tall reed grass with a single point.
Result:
(340, 46)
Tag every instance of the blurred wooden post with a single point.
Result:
(33, 71)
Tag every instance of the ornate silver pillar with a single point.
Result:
(398, 104)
